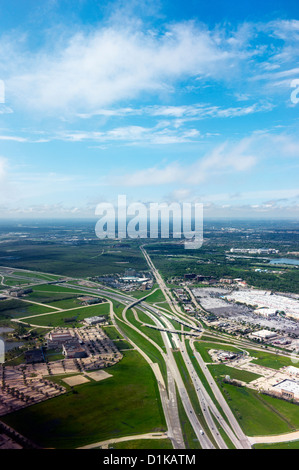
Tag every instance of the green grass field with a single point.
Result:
(203, 349)
(157, 296)
(143, 317)
(165, 306)
(155, 335)
(260, 415)
(15, 308)
(122, 344)
(86, 260)
(274, 361)
(112, 332)
(11, 281)
(57, 318)
(59, 300)
(146, 346)
(35, 275)
(221, 369)
(126, 404)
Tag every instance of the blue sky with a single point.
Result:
(158, 100)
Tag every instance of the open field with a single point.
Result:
(164, 305)
(12, 281)
(126, 404)
(222, 369)
(65, 318)
(203, 348)
(258, 414)
(35, 275)
(58, 300)
(157, 296)
(143, 317)
(138, 294)
(15, 308)
(112, 332)
(122, 344)
(274, 361)
(146, 346)
(85, 260)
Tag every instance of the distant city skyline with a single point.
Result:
(161, 101)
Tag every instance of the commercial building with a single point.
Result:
(282, 341)
(73, 349)
(264, 335)
(266, 312)
(94, 320)
(255, 251)
(226, 281)
(16, 292)
(258, 298)
(226, 356)
(57, 339)
(288, 389)
(134, 279)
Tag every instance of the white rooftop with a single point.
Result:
(288, 386)
(261, 298)
(292, 370)
(94, 319)
(264, 333)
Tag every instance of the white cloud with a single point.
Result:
(134, 135)
(86, 71)
(152, 176)
(285, 29)
(13, 138)
(93, 69)
(222, 159)
(3, 165)
(228, 157)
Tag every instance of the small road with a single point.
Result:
(106, 444)
(291, 436)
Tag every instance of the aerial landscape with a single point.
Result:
(149, 229)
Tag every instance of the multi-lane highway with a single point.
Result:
(203, 414)
(208, 407)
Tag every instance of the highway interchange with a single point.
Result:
(182, 375)
(208, 417)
